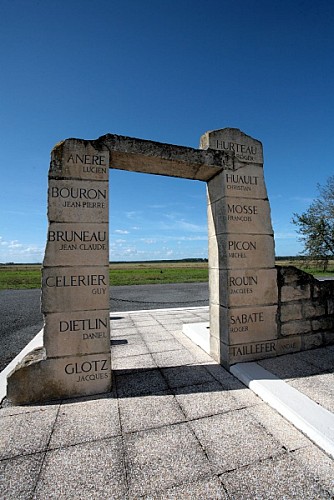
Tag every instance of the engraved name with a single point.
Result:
(240, 150)
(86, 368)
(93, 160)
(240, 322)
(243, 282)
(237, 249)
(80, 194)
(240, 182)
(241, 213)
(73, 236)
(247, 349)
(76, 280)
(75, 325)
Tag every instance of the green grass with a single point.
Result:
(20, 277)
(17, 277)
(154, 275)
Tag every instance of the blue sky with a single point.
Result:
(166, 71)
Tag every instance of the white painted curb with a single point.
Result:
(315, 422)
(199, 334)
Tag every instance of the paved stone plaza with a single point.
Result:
(176, 425)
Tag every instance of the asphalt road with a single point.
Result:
(21, 319)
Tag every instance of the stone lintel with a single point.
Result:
(139, 155)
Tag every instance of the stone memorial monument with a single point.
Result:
(256, 310)
(75, 360)
(242, 274)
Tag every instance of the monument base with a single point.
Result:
(199, 333)
(38, 378)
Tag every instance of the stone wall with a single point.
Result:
(305, 310)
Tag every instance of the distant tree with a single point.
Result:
(316, 225)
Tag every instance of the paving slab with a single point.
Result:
(129, 364)
(85, 471)
(163, 345)
(124, 347)
(186, 375)
(142, 413)
(157, 335)
(176, 425)
(319, 388)
(204, 400)
(19, 476)
(278, 477)
(26, 433)
(181, 357)
(322, 358)
(289, 437)
(318, 464)
(306, 415)
(235, 439)
(161, 458)
(82, 421)
(289, 367)
(208, 488)
(140, 383)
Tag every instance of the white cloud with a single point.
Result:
(121, 231)
(15, 251)
(134, 214)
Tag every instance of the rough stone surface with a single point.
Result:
(273, 478)
(220, 434)
(42, 379)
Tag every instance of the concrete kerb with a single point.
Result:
(315, 422)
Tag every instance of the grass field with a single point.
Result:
(27, 276)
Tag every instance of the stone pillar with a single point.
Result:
(75, 360)
(242, 275)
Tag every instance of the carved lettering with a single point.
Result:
(72, 236)
(236, 147)
(75, 325)
(86, 367)
(254, 317)
(87, 159)
(77, 280)
(241, 179)
(241, 245)
(258, 348)
(78, 193)
(242, 280)
(242, 209)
